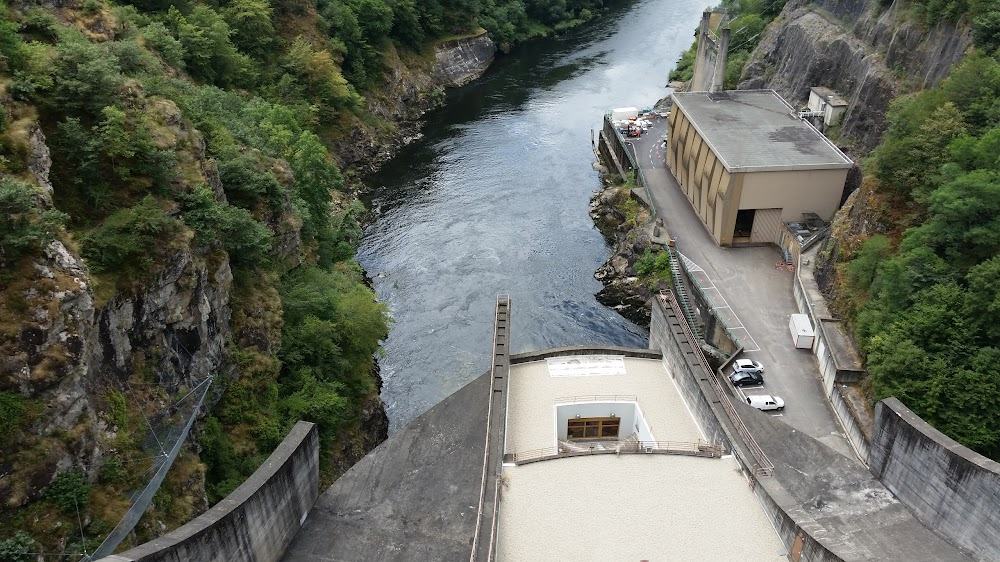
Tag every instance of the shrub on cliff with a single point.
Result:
(24, 225)
(131, 242)
(69, 492)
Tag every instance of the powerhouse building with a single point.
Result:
(748, 164)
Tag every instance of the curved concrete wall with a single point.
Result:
(949, 487)
(257, 521)
(584, 350)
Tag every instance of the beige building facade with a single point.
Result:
(747, 164)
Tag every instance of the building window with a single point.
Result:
(593, 428)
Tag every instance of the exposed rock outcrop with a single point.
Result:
(623, 291)
(408, 92)
(183, 315)
(461, 61)
(867, 55)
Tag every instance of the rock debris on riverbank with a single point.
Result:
(620, 217)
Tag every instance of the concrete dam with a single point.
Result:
(508, 458)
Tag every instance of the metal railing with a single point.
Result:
(640, 177)
(764, 465)
(685, 448)
(501, 361)
(597, 398)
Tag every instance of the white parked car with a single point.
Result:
(766, 402)
(747, 366)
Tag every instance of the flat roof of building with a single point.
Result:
(758, 131)
(623, 506)
(831, 97)
(633, 507)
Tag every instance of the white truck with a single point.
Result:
(766, 402)
(802, 331)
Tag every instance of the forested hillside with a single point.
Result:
(171, 209)
(922, 294)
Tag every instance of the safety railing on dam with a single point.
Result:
(496, 414)
(596, 398)
(764, 465)
(686, 448)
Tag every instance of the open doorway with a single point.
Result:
(744, 225)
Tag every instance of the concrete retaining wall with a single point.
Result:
(584, 350)
(950, 488)
(666, 336)
(257, 521)
(838, 362)
(856, 433)
(796, 539)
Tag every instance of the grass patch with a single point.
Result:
(653, 269)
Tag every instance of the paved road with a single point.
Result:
(759, 295)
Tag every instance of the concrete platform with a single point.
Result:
(534, 394)
(838, 501)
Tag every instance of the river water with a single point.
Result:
(494, 199)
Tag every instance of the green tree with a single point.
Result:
(910, 159)
(964, 220)
(159, 37)
(983, 305)
(247, 241)
(115, 139)
(862, 269)
(253, 31)
(321, 75)
(24, 225)
(406, 24)
(86, 77)
(209, 53)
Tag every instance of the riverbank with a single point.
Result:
(638, 268)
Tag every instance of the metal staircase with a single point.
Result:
(681, 291)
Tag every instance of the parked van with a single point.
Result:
(766, 402)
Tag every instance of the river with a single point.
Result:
(494, 199)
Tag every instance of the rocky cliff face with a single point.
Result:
(409, 89)
(461, 61)
(70, 351)
(867, 55)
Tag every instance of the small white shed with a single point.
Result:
(802, 331)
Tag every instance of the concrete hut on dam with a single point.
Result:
(748, 164)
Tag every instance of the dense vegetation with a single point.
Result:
(746, 21)
(204, 127)
(924, 296)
